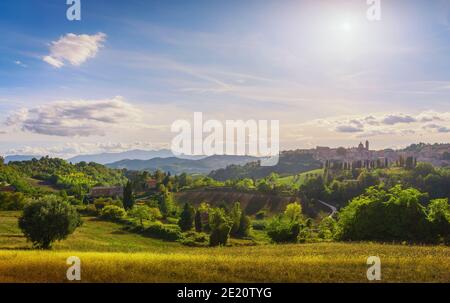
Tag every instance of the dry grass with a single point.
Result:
(328, 262)
(109, 254)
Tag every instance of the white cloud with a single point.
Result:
(76, 118)
(74, 49)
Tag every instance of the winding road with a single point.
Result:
(333, 209)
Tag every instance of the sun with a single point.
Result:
(346, 27)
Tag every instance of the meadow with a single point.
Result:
(110, 254)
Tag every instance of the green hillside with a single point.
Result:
(48, 174)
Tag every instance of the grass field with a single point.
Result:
(108, 254)
(300, 178)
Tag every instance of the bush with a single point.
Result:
(113, 213)
(245, 226)
(88, 210)
(47, 220)
(439, 216)
(283, 231)
(259, 225)
(260, 215)
(327, 228)
(12, 201)
(380, 215)
(220, 226)
(195, 239)
(143, 212)
(163, 231)
(219, 235)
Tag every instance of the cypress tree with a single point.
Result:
(128, 199)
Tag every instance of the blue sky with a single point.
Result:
(320, 67)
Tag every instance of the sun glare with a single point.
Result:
(346, 27)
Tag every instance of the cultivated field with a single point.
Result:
(109, 254)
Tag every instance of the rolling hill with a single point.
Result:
(137, 154)
(177, 165)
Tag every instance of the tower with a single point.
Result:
(367, 144)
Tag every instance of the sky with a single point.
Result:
(117, 79)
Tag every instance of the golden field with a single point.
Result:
(109, 254)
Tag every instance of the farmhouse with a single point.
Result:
(152, 184)
(106, 192)
(7, 188)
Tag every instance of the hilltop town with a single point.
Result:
(436, 154)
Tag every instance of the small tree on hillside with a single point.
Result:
(186, 221)
(293, 211)
(198, 221)
(128, 199)
(166, 203)
(141, 213)
(235, 216)
(47, 220)
(245, 226)
(220, 226)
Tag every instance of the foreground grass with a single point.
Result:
(109, 254)
(289, 263)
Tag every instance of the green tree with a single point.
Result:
(293, 211)
(439, 216)
(113, 213)
(400, 211)
(47, 220)
(245, 226)
(235, 216)
(281, 230)
(166, 203)
(128, 198)
(198, 221)
(220, 226)
(186, 221)
(141, 213)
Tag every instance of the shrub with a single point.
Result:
(143, 212)
(282, 231)
(235, 217)
(260, 215)
(327, 228)
(259, 225)
(163, 231)
(47, 220)
(12, 201)
(439, 216)
(293, 211)
(88, 210)
(245, 226)
(195, 239)
(220, 226)
(380, 215)
(113, 213)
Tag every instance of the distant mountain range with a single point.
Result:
(136, 154)
(176, 165)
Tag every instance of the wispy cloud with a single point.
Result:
(74, 49)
